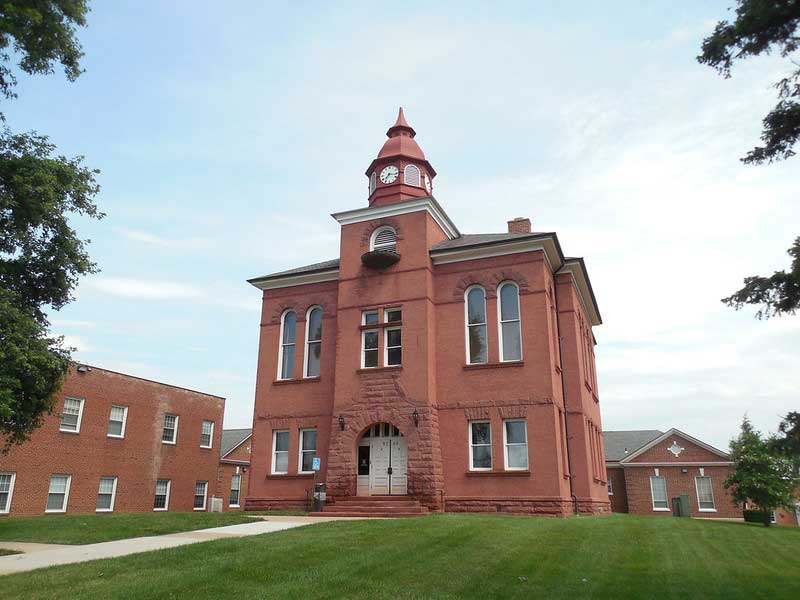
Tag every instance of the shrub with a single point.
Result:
(755, 516)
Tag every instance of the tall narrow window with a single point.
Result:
(515, 435)
(280, 452)
(286, 352)
(58, 494)
(6, 491)
(411, 175)
(161, 501)
(170, 433)
(369, 340)
(658, 491)
(106, 494)
(236, 487)
(373, 182)
(71, 417)
(384, 238)
(510, 335)
(308, 449)
(480, 446)
(313, 341)
(610, 488)
(477, 348)
(705, 494)
(116, 421)
(393, 338)
(200, 493)
(206, 434)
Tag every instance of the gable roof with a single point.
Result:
(326, 265)
(669, 434)
(620, 444)
(232, 439)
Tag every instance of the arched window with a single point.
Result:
(509, 322)
(411, 175)
(383, 238)
(373, 182)
(286, 349)
(313, 341)
(475, 315)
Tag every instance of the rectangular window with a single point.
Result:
(58, 494)
(207, 434)
(394, 346)
(170, 433)
(116, 421)
(705, 495)
(106, 494)
(515, 434)
(773, 517)
(393, 315)
(280, 452)
(610, 488)
(200, 491)
(71, 417)
(369, 342)
(369, 317)
(480, 446)
(236, 486)
(6, 491)
(658, 491)
(308, 449)
(162, 494)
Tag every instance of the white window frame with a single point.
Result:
(4, 510)
(500, 321)
(364, 339)
(300, 450)
(467, 325)
(113, 493)
(281, 344)
(653, 496)
(386, 331)
(63, 508)
(697, 492)
(773, 516)
(373, 245)
(174, 431)
(124, 421)
(205, 496)
(309, 342)
(210, 437)
(471, 445)
(166, 499)
(238, 490)
(406, 170)
(80, 415)
(275, 451)
(373, 182)
(506, 444)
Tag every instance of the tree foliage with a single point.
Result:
(760, 475)
(761, 27)
(787, 441)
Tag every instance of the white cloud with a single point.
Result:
(150, 239)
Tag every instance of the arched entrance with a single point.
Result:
(382, 461)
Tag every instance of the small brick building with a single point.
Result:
(116, 443)
(234, 463)
(452, 370)
(646, 469)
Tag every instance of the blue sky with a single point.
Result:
(227, 137)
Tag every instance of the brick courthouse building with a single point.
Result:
(425, 363)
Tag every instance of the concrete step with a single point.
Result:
(384, 515)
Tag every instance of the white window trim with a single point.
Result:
(505, 446)
(373, 182)
(124, 422)
(307, 342)
(7, 509)
(166, 500)
(63, 508)
(80, 416)
(374, 236)
(697, 492)
(280, 376)
(471, 446)
(386, 331)
(300, 451)
(239, 491)
(113, 493)
(610, 487)
(467, 324)
(500, 322)
(653, 496)
(211, 437)
(364, 348)
(275, 452)
(205, 496)
(174, 431)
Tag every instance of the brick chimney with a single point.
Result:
(519, 225)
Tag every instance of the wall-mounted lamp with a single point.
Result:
(84, 368)
(684, 470)
(415, 416)
(341, 423)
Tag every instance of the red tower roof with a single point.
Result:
(401, 140)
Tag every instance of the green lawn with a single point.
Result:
(87, 529)
(452, 556)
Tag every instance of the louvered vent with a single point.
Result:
(412, 176)
(385, 239)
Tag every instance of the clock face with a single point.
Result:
(389, 174)
(428, 183)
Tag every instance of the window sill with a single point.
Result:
(199, 509)
(115, 437)
(168, 443)
(233, 506)
(380, 369)
(293, 381)
(55, 512)
(69, 431)
(380, 325)
(104, 510)
(520, 473)
(287, 476)
(494, 365)
(662, 510)
(206, 447)
(707, 510)
(160, 509)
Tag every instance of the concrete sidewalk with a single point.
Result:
(38, 556)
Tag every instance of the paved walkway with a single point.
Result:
(38, 556)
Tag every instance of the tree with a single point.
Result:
(760, 475)
(787, 441)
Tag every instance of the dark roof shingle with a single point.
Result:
(619, 444)
(313, 268)
(232, 438)
(479, 239)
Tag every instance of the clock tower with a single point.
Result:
(400, 171)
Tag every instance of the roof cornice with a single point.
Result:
(577, 268)
(428, 203)
(271, 283)
(547, 243)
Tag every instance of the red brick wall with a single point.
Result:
(786, 517)
(137, 460)
(226, 472)
(619, 497)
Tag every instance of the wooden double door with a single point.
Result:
(382, 462)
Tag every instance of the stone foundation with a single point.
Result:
(544, 507)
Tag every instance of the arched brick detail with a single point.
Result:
(283, 307)
(373, 225)
(474, 279)
(510, 275)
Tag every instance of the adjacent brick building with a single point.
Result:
(455, 370)
(116, 443)
(234, 463)
(646, 469)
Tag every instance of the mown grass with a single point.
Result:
(452, 556)
(87, 529)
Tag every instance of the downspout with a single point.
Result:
(564, 393)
